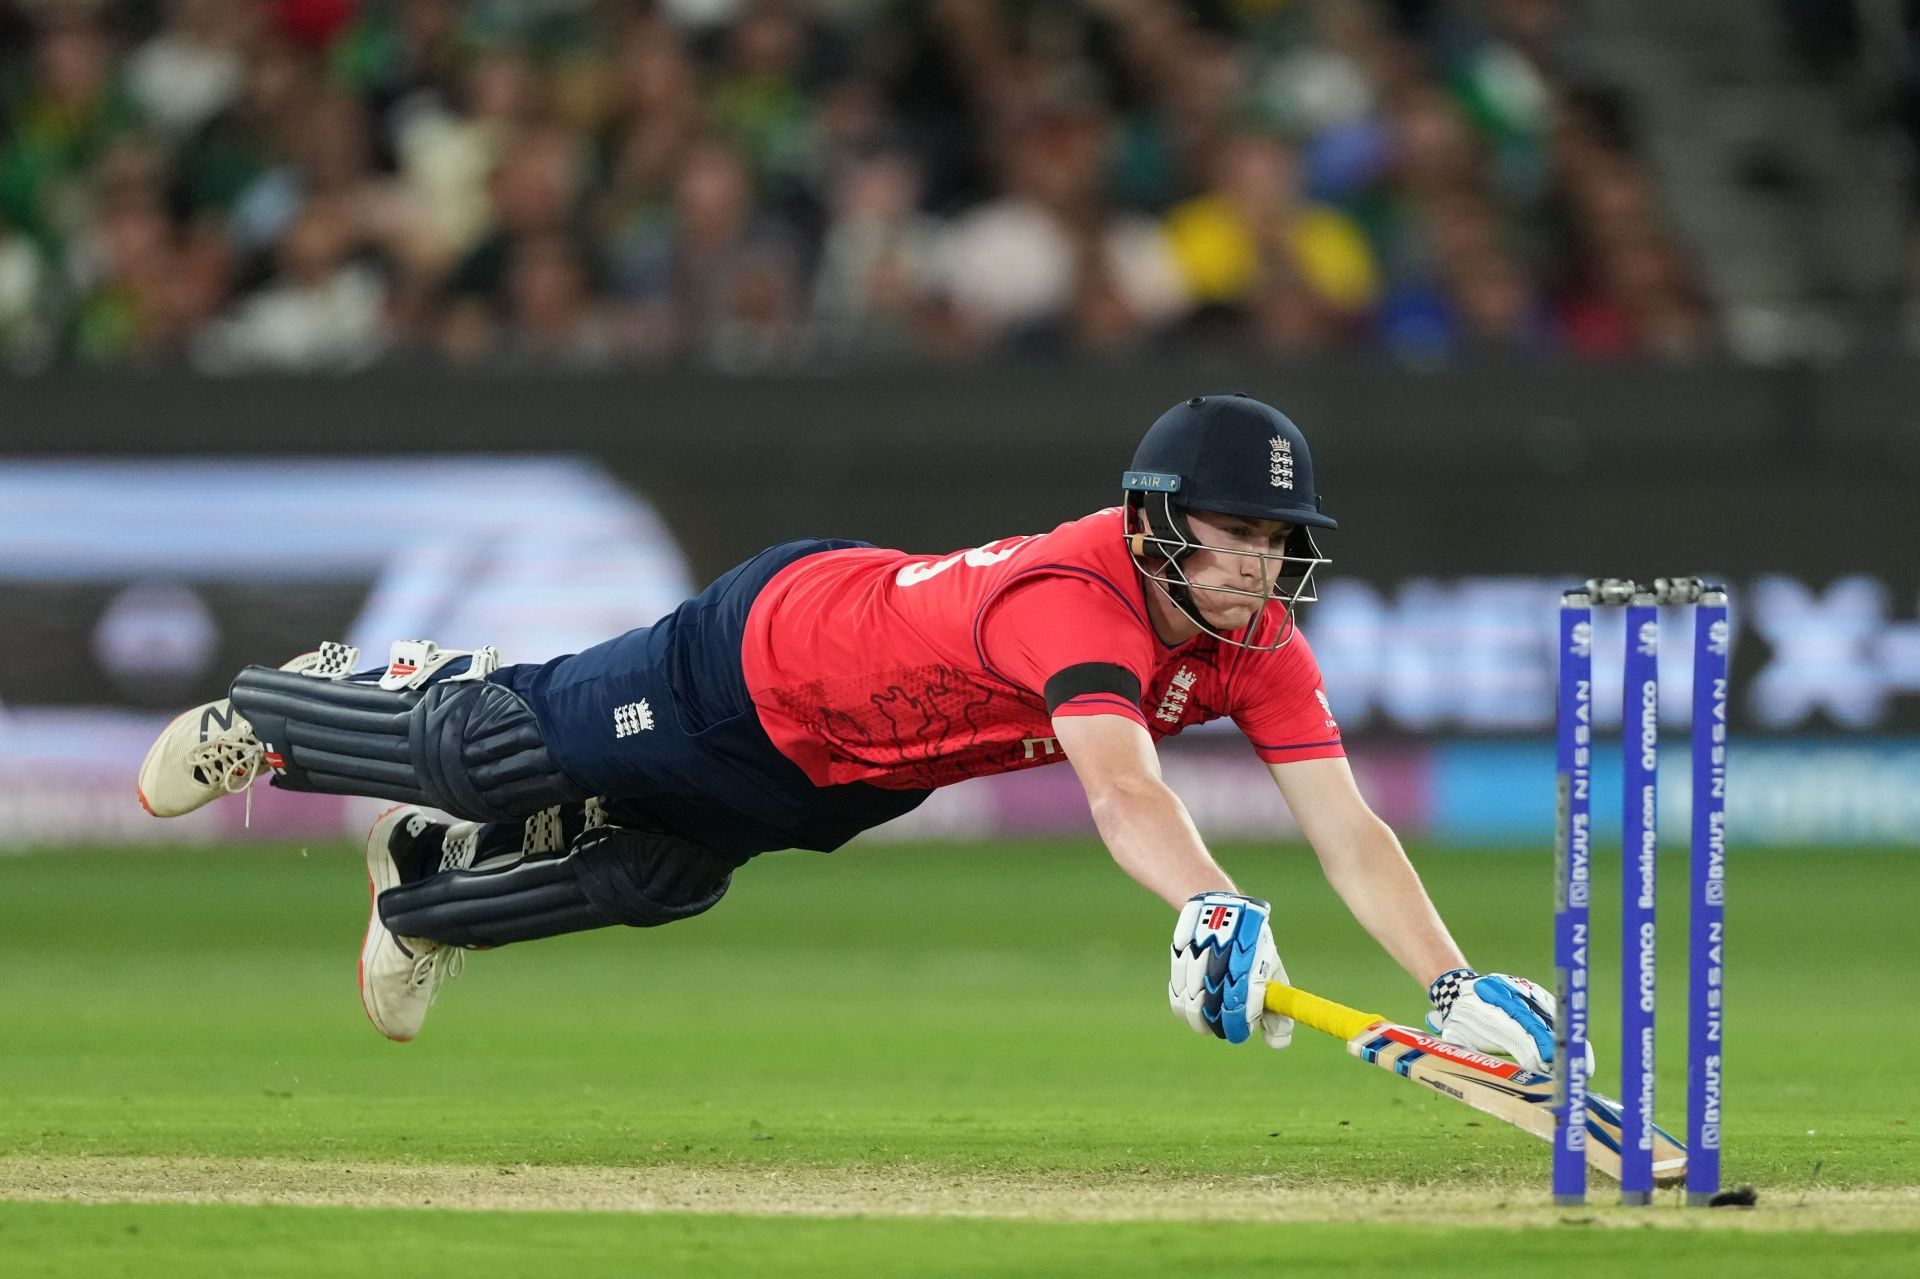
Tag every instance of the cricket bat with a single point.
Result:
(1490, 1085)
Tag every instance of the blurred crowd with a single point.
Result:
(1869, 50)
(762, 184)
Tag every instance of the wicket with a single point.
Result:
(1573, 881)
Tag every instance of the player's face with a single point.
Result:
(1231, 558)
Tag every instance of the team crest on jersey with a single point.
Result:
(1179, 690)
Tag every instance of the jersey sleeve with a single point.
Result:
(1280, 702)
(1073, 642)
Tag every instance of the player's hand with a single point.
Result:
(1496, 1013)
(1223, 958)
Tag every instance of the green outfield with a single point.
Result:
(913, 1060)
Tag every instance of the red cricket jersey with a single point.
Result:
(909, 671)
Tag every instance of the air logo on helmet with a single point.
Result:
(1280, 465)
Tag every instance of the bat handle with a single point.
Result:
(1323, 1015)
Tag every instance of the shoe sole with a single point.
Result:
(380, 868)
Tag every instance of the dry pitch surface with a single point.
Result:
(893, 1192)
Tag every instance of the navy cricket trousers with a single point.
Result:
(658, 721)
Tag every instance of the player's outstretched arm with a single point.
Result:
(1366, 866)
(1223, 950)
(1363, 860)
(1144, 824)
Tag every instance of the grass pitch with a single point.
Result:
(909, 1060)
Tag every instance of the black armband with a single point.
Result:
(1091, 677)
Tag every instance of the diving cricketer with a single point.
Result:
(824, 687)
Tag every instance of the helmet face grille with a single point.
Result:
(1169, 540)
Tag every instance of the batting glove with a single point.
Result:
(1223, 957)
(1496, 1013)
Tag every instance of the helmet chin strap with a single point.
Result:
(1182, 599)
(1180, 593)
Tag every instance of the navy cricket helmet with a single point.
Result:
(1233, 455)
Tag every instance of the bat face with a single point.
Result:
(1509, 1093)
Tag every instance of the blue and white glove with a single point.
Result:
(1496, 1014)
(1223, 957)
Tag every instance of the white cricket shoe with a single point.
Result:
(203, 754)
(211, 751)
(400, 976)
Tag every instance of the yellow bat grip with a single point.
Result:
(1324, 1015)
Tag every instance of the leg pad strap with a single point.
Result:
(611, 875)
